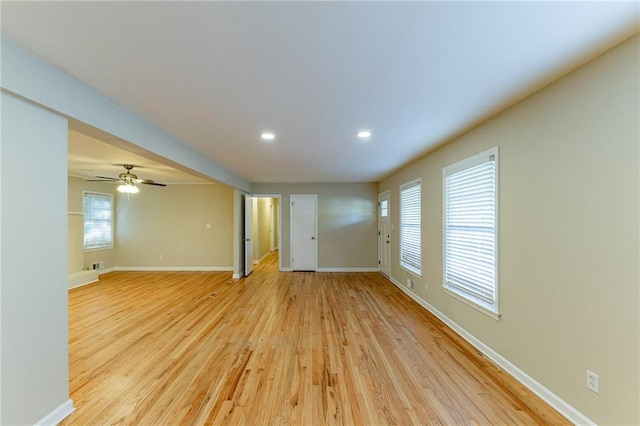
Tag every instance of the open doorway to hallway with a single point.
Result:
(265, 227)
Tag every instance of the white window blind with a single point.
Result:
(98, 230)
(470, 240)
(410, 218)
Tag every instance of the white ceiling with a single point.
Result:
(217, 74)
(89, 157)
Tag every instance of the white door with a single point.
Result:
(304, 226)
(384, 234)
(248, 233)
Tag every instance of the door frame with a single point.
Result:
(315, 231)
(279, 219)
(384, 195)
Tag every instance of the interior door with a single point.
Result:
(248, 233)
(304, 226)
(384, 234)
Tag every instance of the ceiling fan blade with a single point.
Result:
(150, 182)
(102, 179)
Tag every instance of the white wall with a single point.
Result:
(34, 263)
(569, 235)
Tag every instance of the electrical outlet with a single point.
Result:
(426, 285)
(593, 382)
(161, 257)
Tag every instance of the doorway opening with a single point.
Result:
(262, 229)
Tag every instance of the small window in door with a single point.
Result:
(384, 208)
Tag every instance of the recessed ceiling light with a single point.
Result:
(364, 134)
(268, 136)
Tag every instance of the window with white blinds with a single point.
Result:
(410, 218)
(98, 213)
(470, 230)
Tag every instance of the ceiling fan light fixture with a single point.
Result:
(128, 188)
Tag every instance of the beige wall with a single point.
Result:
(569, 235)
(79, 259)
(170, 222)
(347, 223)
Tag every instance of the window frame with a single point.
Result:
(384, 210)
(490, 308)
(103, 195)
(417, 271)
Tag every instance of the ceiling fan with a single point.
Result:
(127, 180)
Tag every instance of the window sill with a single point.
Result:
(99, 248)
(410, 269)
(478, 305)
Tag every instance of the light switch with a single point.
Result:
(208, 226)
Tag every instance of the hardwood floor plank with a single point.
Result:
(295, 348)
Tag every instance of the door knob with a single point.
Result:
(313, 238)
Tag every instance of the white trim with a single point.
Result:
(478, 305)
(80, 278)
(236, 276)
(175, 268)
(256, 262)
(58, 414)
(573, 415)
(106, 270)
(285, 269)
(347, 270)
(76, 213)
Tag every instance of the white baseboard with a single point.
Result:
(534, 386)
(256, 262)
(236, 276)
(175, 268)
(106, 270)
(80, 278)
(57, 415)
(347, 270)
(287, 269)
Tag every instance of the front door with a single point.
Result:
(304, 244)
(384, 234)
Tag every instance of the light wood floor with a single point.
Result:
(276, 348)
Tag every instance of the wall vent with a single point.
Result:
(411, 284)
(97, 265)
